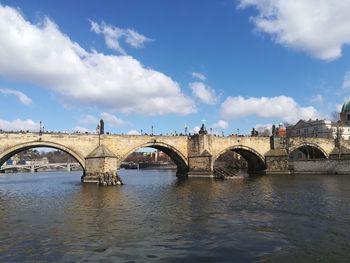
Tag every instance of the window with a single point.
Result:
(348, 117)
(305, 130)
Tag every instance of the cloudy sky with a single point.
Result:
(171, 64)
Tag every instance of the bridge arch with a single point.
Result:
(310, 150)
(178, 158)
(4, 156)
(256, 161)
(4, 169)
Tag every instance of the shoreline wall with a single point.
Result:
(329, 166)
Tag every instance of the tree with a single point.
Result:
(335, 116)
(263, 131)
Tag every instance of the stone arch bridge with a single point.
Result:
(194, 155)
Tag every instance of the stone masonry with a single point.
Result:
(194, 155)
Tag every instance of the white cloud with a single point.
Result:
(199, 76)
(23, 98)
(133, 132)
(318, 98)
(135, 39)
(281, 107)
(42, 55)
(108, 118)
(220, 124)
(88, 119)
(318, 27)
(205, 93)
(111, 119)
(196, 129)
(337, 107)
(19, 125)
(82, 129)
(346, 81)
(113, 35)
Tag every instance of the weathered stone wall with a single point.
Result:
(95, 165)
(78, 145)
(199, 156)
(97, 168)
(277, 162)
(322, 166)
(124, 145)
(323, 144)
(258, 145)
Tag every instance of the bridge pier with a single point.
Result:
(277, 162)
(199, 157)
(101, 167)
(200, 166)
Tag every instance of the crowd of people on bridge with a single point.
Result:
(202, 130)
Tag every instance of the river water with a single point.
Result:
(155, 217)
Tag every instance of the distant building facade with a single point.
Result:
(312, 128)
(323, 128)
(41, 161)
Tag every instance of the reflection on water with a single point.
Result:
(157, 218)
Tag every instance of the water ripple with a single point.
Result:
(157, 218)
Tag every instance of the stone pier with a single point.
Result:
(101, 167)
(277, 162)
(199, 156)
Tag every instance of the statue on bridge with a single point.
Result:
(102, 127)
(203, 130)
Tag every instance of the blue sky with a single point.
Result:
(171, 64)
